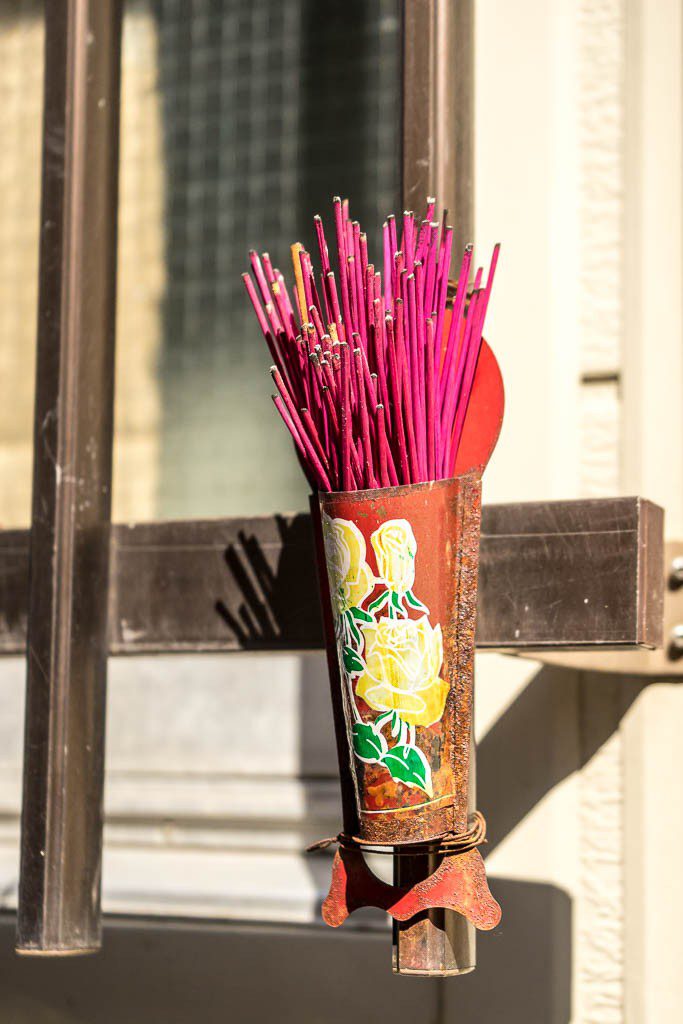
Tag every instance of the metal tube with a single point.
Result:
(439, 943)
(61, 839)
(438, 160)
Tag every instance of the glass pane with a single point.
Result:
(239, 121)
(21, 103)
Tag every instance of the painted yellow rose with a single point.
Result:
(351, 579)
(403, 659)
(394, 545)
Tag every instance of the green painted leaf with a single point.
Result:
(353, 663)
(353, 628)
(408, 764)
(369, 745)
(383, 719)
(361, 615)
(415, 603)
(379, 601)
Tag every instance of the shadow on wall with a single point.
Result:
(557, 723)
(266, 604)
(161, 973)
(524, 967)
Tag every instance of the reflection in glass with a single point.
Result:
(239, 121)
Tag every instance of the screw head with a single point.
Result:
(676, 642)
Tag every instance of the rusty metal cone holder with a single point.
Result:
(398, 580)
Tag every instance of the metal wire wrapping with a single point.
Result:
(451, 844)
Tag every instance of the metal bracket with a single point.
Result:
(666, 661)
(553, 575)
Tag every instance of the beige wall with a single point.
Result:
(579, 172)
(21, 44)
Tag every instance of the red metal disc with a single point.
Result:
(484, 416)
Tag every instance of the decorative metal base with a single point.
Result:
(459, 883)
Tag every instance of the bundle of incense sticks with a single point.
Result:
(373, 377)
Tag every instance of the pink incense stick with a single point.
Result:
(334, 300)
(455, 331)
(314, 291)
(388, 262)
(367, 377)
(352, 317)
(408, 243)
(342, 258)
(346, 439)
(363, 251)
(304, 262)
(378, 285)
(311, 454)
(399, 266)
(312, 433)
(383, 447)
(360, 301)
(429, 401)
(287, 320)
(268, 267)
(260, 315)
(369, 476)
(380, 348)
(430, 276)
(442, 280)
(422, 238)
(261, 280)
(275, 349)
(391, 221)
(322, 243)
(369, 299)
(315, 480)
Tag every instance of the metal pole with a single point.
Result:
(438, 109)
(61, 839)
(437, 160)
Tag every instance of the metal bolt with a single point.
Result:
(676, 642)
(677, 569)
